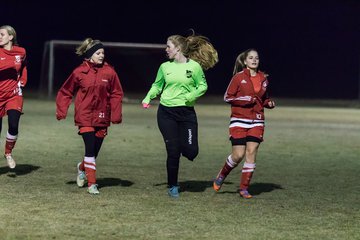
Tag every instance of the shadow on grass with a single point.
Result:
(193, 186)
(21, 169)
(109, 182)
(201, 186)
(258, 188)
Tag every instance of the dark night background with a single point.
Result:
(309, 48)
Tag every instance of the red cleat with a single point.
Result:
(218, 183)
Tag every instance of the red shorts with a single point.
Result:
(100, 132)
(243, 133)
(12, 103)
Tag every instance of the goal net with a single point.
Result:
(135, 63)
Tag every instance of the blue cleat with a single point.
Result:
(174, 191)
(245, 194)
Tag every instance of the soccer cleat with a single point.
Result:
(93, 189)
(245, 194)
(81, 177)
(174, 192)
(219, 180)
(10, 160)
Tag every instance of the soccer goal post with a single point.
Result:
(135, 63)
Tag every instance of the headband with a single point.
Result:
(93, 49)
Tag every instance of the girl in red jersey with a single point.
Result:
(13, 76)
(98, 101)
(247, 95)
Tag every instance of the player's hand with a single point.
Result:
(254, 99)
(58, 117)
(271, 104)
(146, 105)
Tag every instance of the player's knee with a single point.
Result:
(172, 149)
(237, 156)
(251, 151)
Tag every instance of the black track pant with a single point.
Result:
(92, 144)
(179, 128)
(13, 121)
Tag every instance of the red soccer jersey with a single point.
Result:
(98, 96)
(246, 102)
(12, 69)
(256, 81)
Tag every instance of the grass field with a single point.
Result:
(306, 184)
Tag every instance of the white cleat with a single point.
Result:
(10, 160)
(81, 177)
(93, 189)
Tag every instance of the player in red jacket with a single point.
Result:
(98, 101)
(247, 95)
(13, 76)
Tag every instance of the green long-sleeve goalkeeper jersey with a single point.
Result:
(180, 84)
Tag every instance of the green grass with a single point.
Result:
(306, 184)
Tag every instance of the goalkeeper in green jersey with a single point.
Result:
(181, 81)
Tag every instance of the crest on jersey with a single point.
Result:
(188, 73)
(243, 81)
(17, 58)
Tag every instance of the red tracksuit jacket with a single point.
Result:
(240, 94)
(13, 70)
(98, 94)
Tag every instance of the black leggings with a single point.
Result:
(92, 144)
(13, 121)
(179, 128)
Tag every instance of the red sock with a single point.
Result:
(228, 166)
(10, 143)
(246, 175)
(90, 170)
(81, 166)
